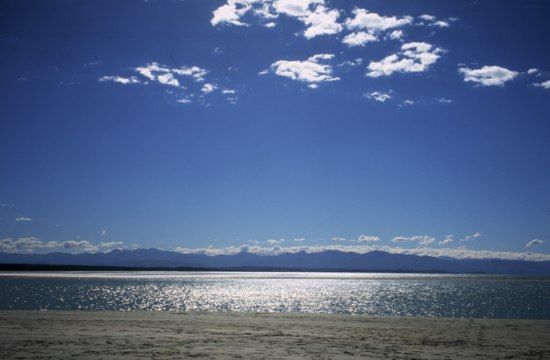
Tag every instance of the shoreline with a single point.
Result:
(232, 335)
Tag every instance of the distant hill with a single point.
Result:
(328, 260)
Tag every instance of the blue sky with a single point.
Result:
(413, 127)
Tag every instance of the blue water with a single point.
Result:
(478, 296)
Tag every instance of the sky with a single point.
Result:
(267, 126)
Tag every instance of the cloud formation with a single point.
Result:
(379, 96)
(373, 22)
(534, 242)
(32, 244)
(431, 20)
(544, 84)
(413, 57)
(367, 239)
(447, 240)
(471, 237)
(312, 71)
(317, 18)
(422, 240)
(359, 38)
(120, 79)
(458, 253)
(185, 81)
(488, 75)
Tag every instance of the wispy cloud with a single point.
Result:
(185, 82)
(379, 96)
(23, 218)
(120, 79)
(534, 242)
(431, 20)
(471, 237)
(422, 240)
(443, 100)
(447, 240)
(544, 84)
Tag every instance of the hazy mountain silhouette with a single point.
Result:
(327, 260)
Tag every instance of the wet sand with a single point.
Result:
(146, 335)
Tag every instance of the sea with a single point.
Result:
(372, 294)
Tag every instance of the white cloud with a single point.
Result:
(167, 76)
(208, 88)
(433, 21)
(23, 218)
(231, 12)
(338, 238)
(110, 244)
(363, 19)
(316, 17)
(355, 62)
(427, 17)
(447, 240)
(120, 79)
(441, 24)
(379, 96)
(196, 72)
(544, 84)
(322, 21)
(272, 242)
(488, 75)
(184, 101)
(443, 100)
(299, 239)
(408, 102)
(103, 232)
(396, 34)
(30, 244)
(311, 71)
(458, 253)
(534, 242)
(359, 38)
(413, 57)
(173, 77)
(295, 8)
(367, 239)
(471, 237)
(267, 12)
(168, 79)
(422, 240)
(532, 71)
(228, 92)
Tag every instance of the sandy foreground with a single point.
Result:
(131, 335)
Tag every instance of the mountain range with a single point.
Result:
(322, 261)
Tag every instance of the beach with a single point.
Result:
(234, 335)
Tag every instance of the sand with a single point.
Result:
(134, 335)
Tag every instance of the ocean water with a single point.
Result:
(478, 296)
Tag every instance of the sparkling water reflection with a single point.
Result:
(364, 294)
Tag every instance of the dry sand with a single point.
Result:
(131, 335)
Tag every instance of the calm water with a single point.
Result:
(346, 293)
